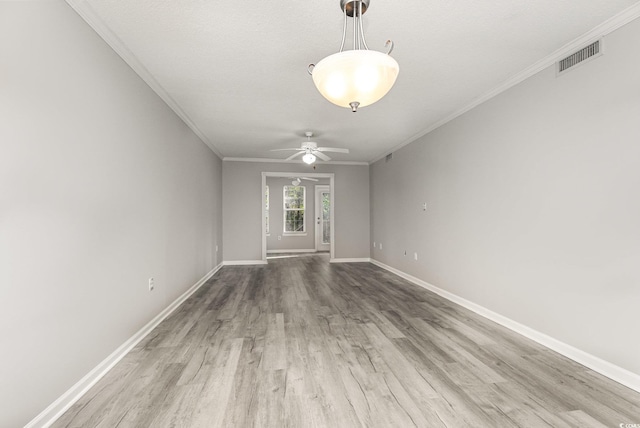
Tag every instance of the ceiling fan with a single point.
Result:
(310, 150)
(297, 181)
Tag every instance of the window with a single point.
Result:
(294, 202)
(266, 209)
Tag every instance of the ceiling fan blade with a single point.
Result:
(280, 150)
(307, 178)
(321, 156)
(332, 149)
(294, 155)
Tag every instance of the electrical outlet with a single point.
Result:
(381, 245)
(424, 206)
(151, 284)
(415, 256)
(374, 244)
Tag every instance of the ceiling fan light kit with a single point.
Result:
(308, 158)
(358, 77)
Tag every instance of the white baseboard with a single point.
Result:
(49, 415)
(243, 262)
(311, 250)
(605, 368)
(351, 260)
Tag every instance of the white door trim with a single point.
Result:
(330, 176)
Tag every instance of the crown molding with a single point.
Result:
(86, 12)
(269, 160)
(607, 27)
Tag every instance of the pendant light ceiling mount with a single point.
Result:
(350, 7)
(358, 77)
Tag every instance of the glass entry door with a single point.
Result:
(323, 218)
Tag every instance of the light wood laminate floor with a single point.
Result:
(302, 343)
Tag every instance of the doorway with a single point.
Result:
(323, 218)
(332, 207)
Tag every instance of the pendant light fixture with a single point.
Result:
(358, 77)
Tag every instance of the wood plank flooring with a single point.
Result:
(302, 343)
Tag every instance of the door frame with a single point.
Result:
(330, 176)
(319, 189)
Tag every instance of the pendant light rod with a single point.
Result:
(344, 30)
(390, 45)
(364, 41)
(356, 20)
(354, 9)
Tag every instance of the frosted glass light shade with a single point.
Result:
(360, 76)
(308, 158)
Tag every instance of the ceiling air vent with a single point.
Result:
(592, 51)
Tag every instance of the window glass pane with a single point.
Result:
(294, 200)
(266, 196)
(326, 224)
(266, 209)
(294, 221)
(291, 204)
(325, 206)
(294, 197)
(326, 233)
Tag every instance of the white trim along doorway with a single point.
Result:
(330, 176)
(322, 220)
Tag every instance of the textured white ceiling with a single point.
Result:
(237, 72)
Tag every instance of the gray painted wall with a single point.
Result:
(533, 208)
(242, 207)
(101, 187)
(276, 223)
